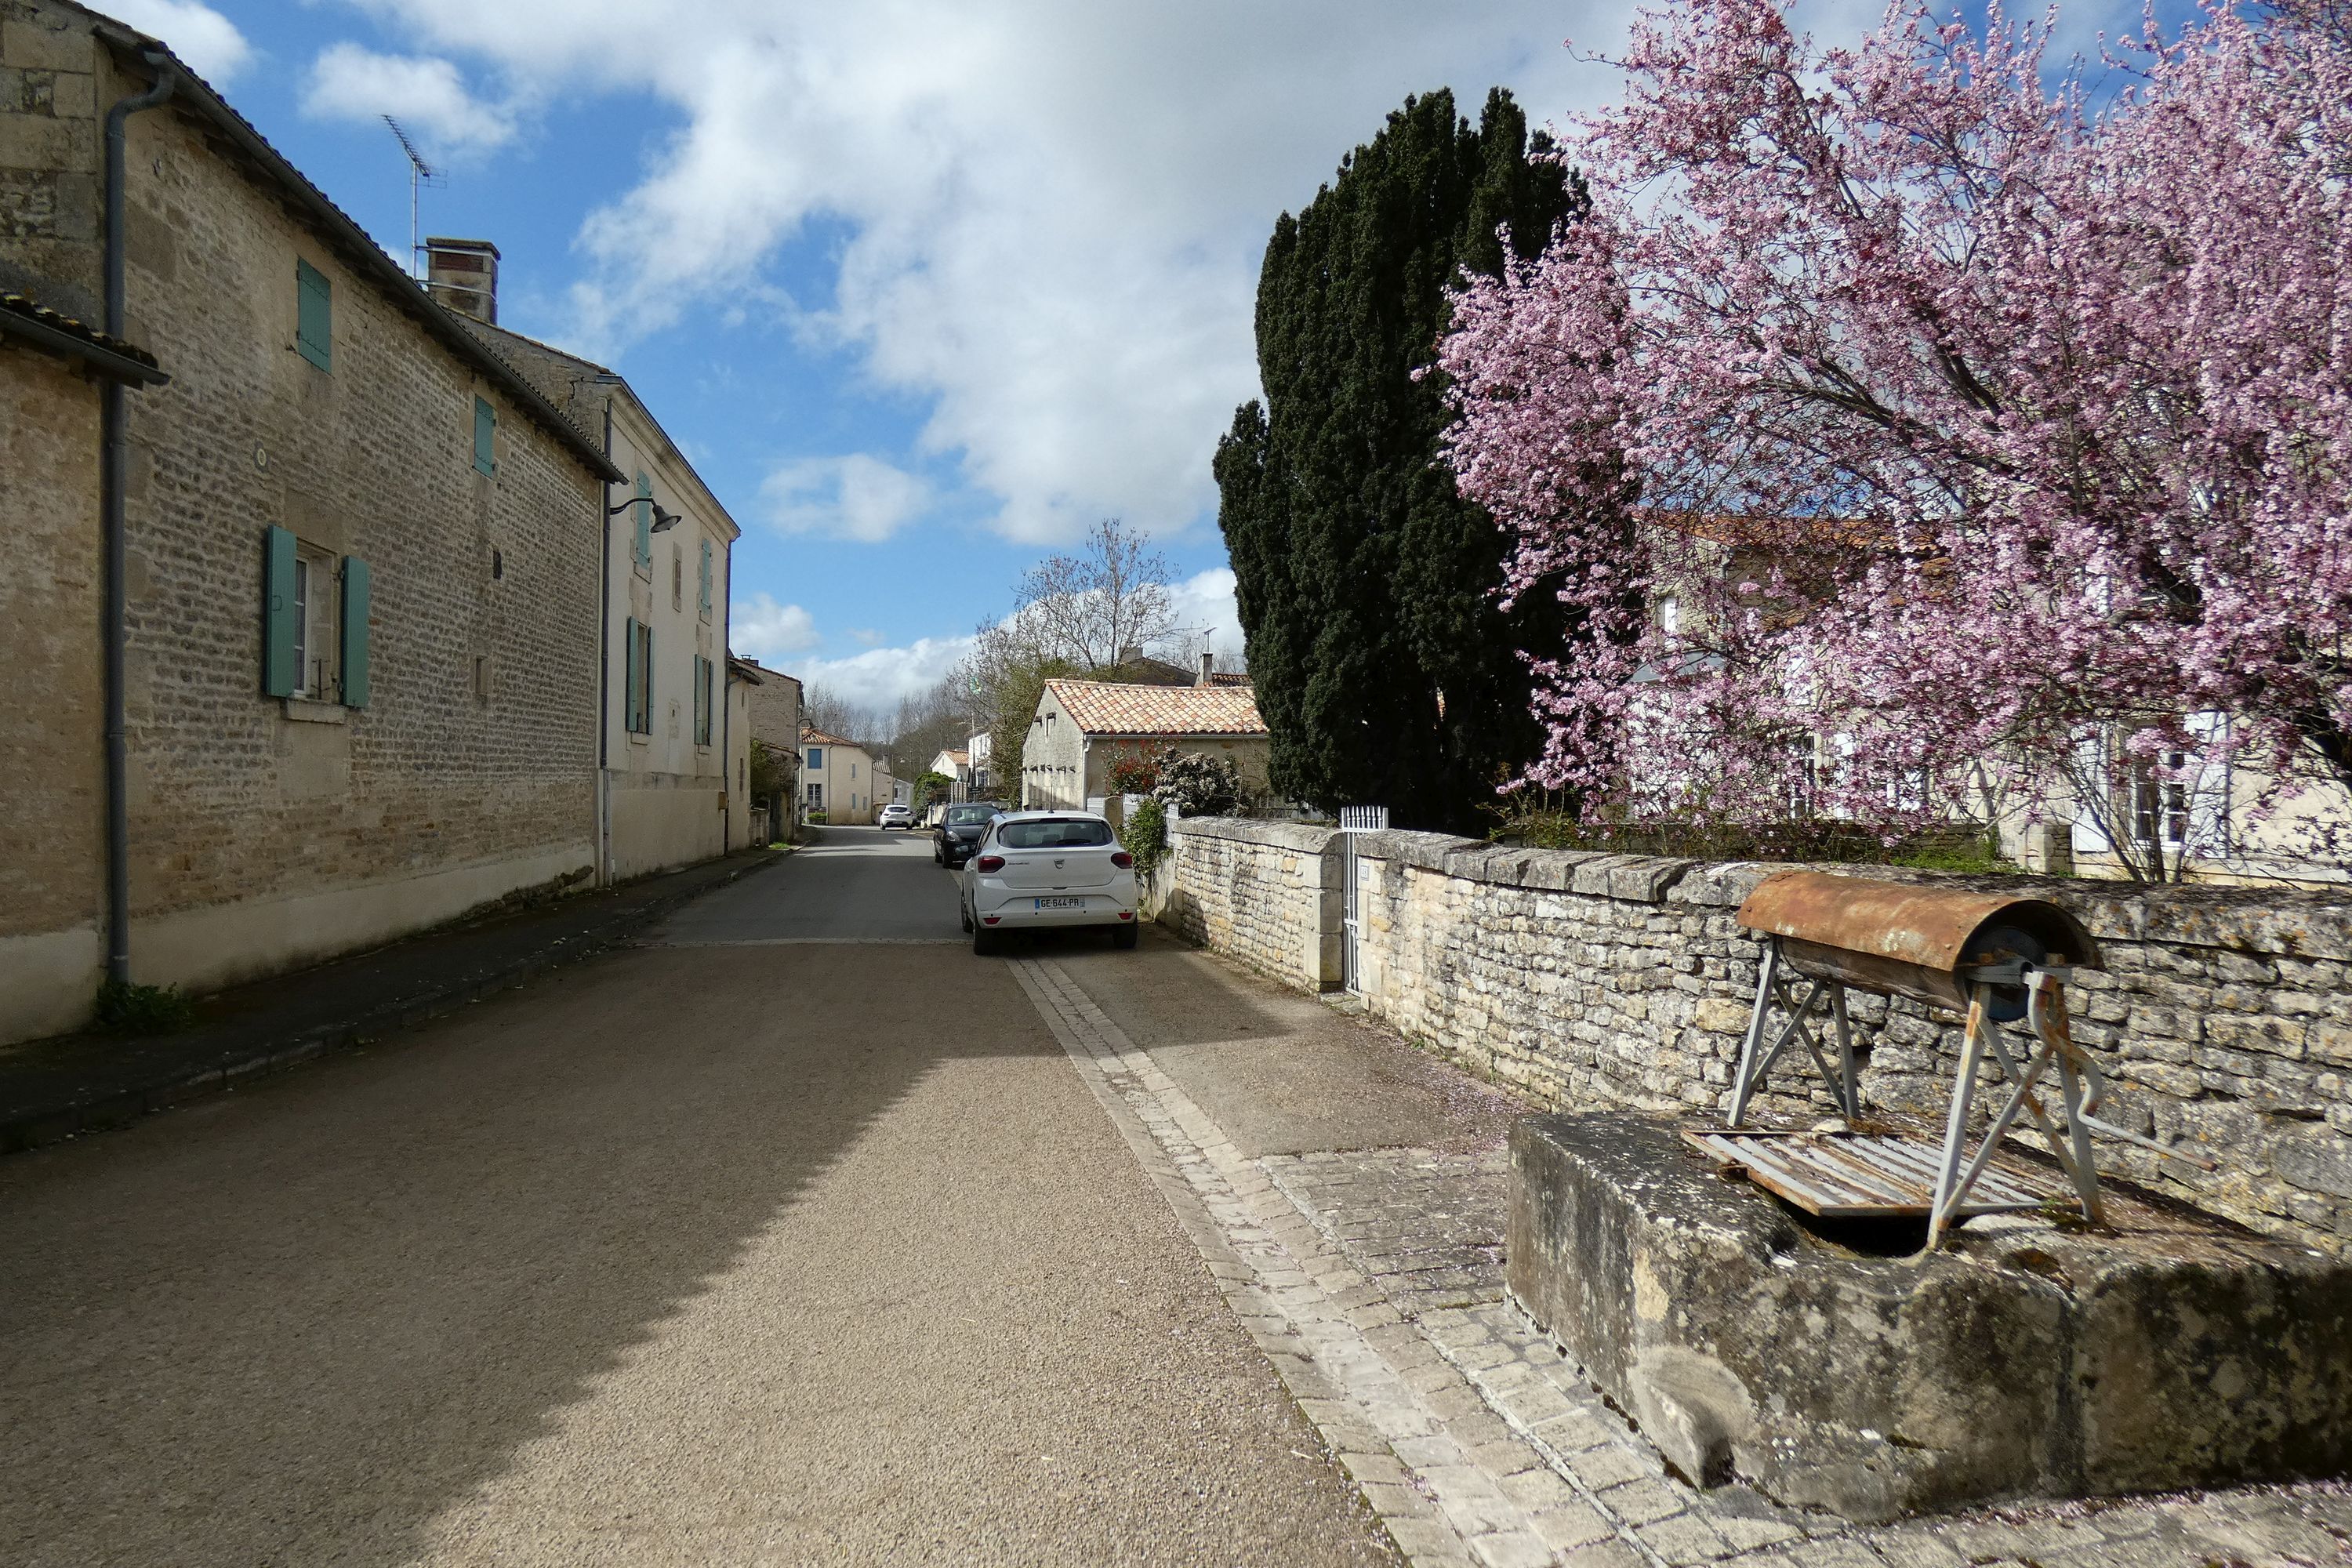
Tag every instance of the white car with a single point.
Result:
(897, 815)
(1038, 869)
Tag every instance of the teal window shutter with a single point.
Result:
(355, 632)
(705, 579)
(644, 513)
(486, 431)
(314, 327)
(281, 664)
(631, 683)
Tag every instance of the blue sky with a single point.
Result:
(923, 288)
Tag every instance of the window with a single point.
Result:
(301, 626)
(637, 707)
(676, 577)
(314, 322)
(314, 639)
(486, 438)
(1670, 615)
(816, 757)
(853, 770)
(2161, 804)
(816, 796)
(642, 552)
(1054, 833)
(702, 668)
(703, 604)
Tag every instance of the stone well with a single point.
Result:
(2030, 1357)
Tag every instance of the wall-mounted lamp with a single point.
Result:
(663, 520)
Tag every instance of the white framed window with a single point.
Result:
(815, 795)
(314, 622)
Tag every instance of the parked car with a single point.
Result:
(1040, 869)
(897, 815)
(957, 833)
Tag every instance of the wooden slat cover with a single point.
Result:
(1858, 1175)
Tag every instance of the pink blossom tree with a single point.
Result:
(1967, 419)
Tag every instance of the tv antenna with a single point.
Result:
(420, 173)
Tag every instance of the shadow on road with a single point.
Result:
(293, 1325)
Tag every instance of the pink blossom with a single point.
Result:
(1961, 417)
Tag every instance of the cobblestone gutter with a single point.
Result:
(1583, 981)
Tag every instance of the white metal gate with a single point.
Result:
(1354, 819)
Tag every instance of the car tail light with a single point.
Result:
(1127, 914)
(1121, 858)
(990, 920)
(990, 863)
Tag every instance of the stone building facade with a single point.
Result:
(671, 756)
(51, 879)
(362, 550)
(1585, 981)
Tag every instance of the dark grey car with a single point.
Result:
(959, 830)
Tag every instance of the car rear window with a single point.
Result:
(967, 814)
(1055, 833)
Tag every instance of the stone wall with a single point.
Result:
(268, 831)
(1583, 981)
(1265, 892)
(52, 876)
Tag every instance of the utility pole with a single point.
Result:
(420, 173)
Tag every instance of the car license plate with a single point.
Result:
(1061, 903)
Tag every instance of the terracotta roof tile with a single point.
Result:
(1101, 708)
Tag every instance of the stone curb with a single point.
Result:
(21, 1130)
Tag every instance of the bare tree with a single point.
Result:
(823, 708)
(1098, 606)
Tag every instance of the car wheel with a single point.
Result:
(983, 940)
(1123, 936)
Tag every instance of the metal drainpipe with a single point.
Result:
(111, 414)
(604, 674)
(727, 713)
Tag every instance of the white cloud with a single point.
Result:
(425, 94)
(199, 35)
(1204, 608)
(875, 682)
(856, 496)
(766, 630)
(1055, 212)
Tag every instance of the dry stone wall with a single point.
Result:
(1584, 980)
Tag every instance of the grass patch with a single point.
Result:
(126, 1008)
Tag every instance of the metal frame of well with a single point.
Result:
(2002, 961)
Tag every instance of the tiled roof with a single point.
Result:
(1100, 708)
(819, 737)
(62, 334)
(355, 248)
(1229, 678)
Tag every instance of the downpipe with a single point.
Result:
(112, 416)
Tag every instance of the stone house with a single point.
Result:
(840, 779)
(361, 553)
(672, 778)
(774, 705)
(1083, 727)
(52, 880)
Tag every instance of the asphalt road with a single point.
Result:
(791, 1236)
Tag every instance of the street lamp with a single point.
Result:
(663, 520)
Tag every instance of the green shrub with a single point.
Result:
(125, 1008)
(1199, 785)
(1145, 835)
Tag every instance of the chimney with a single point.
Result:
(463, 275)
(1208, 668)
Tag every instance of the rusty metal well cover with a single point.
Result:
(1908, 923)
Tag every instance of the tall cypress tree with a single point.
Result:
(1384, 668)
